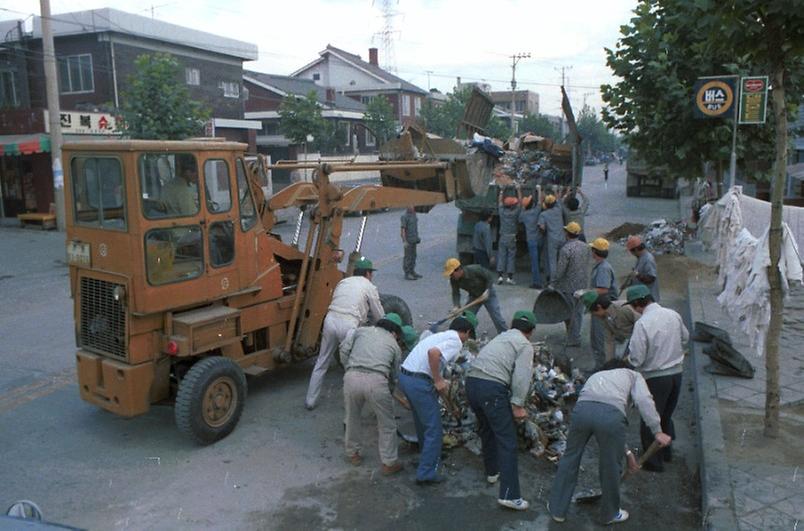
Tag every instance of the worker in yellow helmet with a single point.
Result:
(475, 280)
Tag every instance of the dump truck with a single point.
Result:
(181, 290)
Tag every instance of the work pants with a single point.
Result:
(607, 424)
(506, 254)
(597, 338)
(409, 260)
(360, 387)
(491, 404)
(665, 391)
(573, 325)
(553, 246)
(335, 330)
(423, 399)
(533, 252)
(492, 305)
(482, 258)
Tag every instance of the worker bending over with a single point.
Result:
(617, 317)
(656, 350)
(354, 302)
(422, 382)
(497, 386)
(601, 411)
(645, 271)
(475, 280)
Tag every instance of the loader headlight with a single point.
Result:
(119, 293)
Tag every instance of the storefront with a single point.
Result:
(26, 177)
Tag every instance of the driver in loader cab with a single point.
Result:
(355, 299)
(180, 195)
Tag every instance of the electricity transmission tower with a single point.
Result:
(387, 34)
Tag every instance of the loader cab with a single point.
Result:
(168, 224)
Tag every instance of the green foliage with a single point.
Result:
(664, 49)
(299, 117)
(443, 119)
(157, 104)
(538, 124)
(594, 134)
(497, 128)
(379, 118)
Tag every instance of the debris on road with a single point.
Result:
(660, 237)
(554, 389)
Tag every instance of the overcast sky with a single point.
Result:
(449, 38)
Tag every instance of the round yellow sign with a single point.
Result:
(714, 98)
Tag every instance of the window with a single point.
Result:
(8, 89)
(316, 76)
(216, 180)
(221, 243)
(174, 254)
(192, 76)
(365, 100)
(98, 192)
(417, 105)
(75, 74)
(248, 214)
(231, 89)
(169, 185)
(405, 105)
(370, 140)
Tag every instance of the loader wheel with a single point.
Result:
(210, 399)
(392, 303)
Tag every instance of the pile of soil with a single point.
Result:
(624, 230)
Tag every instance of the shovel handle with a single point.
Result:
(652, 449)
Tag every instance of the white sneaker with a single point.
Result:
(555, 518)
(493, 479)
(500, 280)
(518, 505)
(510, 281)
(621, 517)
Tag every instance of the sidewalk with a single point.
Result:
(748, 481)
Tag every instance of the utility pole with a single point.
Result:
(428, 79)
(514, 60)
(53, 110)
(563, 84)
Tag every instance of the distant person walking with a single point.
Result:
(606, 171)
(410, 239)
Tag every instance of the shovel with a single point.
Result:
(433, 325)
(593, 495)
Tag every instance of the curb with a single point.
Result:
(717, 499)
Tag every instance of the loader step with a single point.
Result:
(255, 370)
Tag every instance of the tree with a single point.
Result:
(497, 128)
(299, 117)
(770, 35)
(539, 124)
(379, 118)
(443, 119)
(596, 136)
(157, 104)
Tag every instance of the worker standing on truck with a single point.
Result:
(617, 317)
(571, 274)
(410, 239)
(656, 350)
(497, 386)
(370, 355)
(509, 211)
(354, 300)
(604, 283)
(530, 219)
(601, 411)
(645, 271)
(575, 209)
(422, 382)
(483, 241)
(475, 280)
(551, 223)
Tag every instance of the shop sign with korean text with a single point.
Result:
(87, 123)
(753, 99)
(715, 97)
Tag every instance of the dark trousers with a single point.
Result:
(409, 260)
(482, 258)
(665, 391)
(491, 403)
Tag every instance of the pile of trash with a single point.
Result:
(554, 390)
(663, 237)
(529, 159)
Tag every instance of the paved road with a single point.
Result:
(283, 467)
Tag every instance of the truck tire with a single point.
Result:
(392, 303)
(210, 399)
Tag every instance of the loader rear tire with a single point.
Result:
(210, 399)
(394, 304)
